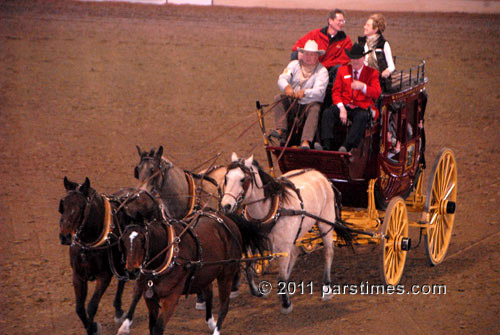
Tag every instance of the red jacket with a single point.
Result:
(334, 52)
(342, 91)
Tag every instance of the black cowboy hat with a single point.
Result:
(357, 51)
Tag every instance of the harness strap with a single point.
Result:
(192, 194)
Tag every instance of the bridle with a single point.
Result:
(246, 181)
(162, 167)
(76, 240)
(171, 250)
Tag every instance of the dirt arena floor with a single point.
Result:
(82, 83)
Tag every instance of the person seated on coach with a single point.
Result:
(354, 94)
(331, 39)
(379, 54)
(306, 81)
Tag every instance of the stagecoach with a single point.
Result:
(383, 179)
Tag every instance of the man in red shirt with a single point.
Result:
(331, 39)
(354, 94)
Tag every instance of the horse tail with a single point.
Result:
(343, 232)
(254, 235)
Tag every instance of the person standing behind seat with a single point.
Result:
(305, 80)
(354, 93)
(380, 55)
(331, 39)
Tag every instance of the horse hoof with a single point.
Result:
(216, 332)
(211, 324)
(99, 329)
(201, 306)
(119, 321)
(234, 294)
(125, 328)
(287, 310)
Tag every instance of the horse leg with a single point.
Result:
(153, 308)
(125, 327)
(284, 265)
(208, 297)
(235, 285)
(328, 250)
(224, 283)
(200, 302)
(250, 275)
(102, 284)
(167, 309)
(293, 253)
(80, 287)
(117, 303)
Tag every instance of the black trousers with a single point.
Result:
(331, 119)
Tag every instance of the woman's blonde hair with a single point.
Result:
(378, 22)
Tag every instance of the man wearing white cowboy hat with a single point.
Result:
(354, 94)
(304, 84)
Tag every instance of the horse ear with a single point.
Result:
(234, 157)
(85, 187)
(69, 185)
(141, 153)
(159, 153)
(249, 162)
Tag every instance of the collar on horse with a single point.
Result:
(107, 222)
(163, 167)
(171, 252)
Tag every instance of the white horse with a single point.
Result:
(276, 204)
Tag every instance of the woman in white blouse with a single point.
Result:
(380, 57)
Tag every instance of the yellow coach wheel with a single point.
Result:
(395, 242)
(440, 205)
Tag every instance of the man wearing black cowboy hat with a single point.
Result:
(354, 93)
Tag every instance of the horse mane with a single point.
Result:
(273, 186)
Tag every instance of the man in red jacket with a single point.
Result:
(354, 94)
(331, 39)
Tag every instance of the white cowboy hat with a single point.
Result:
(312, 46)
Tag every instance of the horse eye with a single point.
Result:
(243, 180)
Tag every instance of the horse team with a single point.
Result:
(178, 232)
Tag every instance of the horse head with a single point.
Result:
(72, 208)
(137, 205)
(151, 169)
(241, 177)
(134, 243)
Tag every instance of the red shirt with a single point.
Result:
(342, 91)
(334, 51)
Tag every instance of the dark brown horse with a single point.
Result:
(185, 257)
(92, 224)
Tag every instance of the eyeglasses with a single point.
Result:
(341, 20)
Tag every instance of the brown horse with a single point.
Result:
(181, 192)
(91, 224)
(185, 257)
